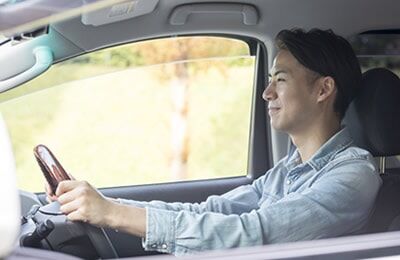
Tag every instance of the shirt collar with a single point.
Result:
(325, 153)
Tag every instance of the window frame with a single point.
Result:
(259, 159)
(259, 151)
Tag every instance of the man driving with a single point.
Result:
(324, 187)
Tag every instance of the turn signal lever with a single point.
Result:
(41, 231)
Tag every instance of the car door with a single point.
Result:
(172, 119)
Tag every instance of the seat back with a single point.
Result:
(373, 119)
(386, 216)
(9, 199)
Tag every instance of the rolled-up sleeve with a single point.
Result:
(337, 203)
(187, 232)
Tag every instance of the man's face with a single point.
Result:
(291, 96)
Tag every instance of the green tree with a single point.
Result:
(179, 51)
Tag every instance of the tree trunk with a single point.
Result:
(180, 146)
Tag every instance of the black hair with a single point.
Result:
(328, 54)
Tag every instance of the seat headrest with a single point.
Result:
(373, 118)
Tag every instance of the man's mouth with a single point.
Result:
(273, 110)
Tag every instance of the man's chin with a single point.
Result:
(275, 126)
(278, 127)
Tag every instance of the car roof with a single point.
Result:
(72, 37)
(344, 17)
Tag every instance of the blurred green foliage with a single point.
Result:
(107, 116)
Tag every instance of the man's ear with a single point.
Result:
(327, 88)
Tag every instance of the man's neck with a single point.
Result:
(308, 142)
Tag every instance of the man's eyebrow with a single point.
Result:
(277, 72)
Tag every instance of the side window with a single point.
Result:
(379, 49)
(149, 112)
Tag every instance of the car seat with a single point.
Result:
(9, 199)
(373, 119)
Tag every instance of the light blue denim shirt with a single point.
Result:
(332, 194)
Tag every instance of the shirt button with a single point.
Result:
(288, 182)
(164, 246)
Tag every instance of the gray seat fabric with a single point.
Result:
(386, 216)
(373, 119)
(395, 225)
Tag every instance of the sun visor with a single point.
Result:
(118, 12)
(26, 15)
(9, 199)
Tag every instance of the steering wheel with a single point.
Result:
(100, 240)
(65, 230)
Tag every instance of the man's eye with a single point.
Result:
(280, 79)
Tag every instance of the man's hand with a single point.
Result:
(50, 196)
(81, 202)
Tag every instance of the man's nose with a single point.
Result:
(269, 92)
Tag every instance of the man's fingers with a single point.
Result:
(65, 186)
(77, 216)
(80, 201)
(74, 216)
(69, 196)
(71, 206)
